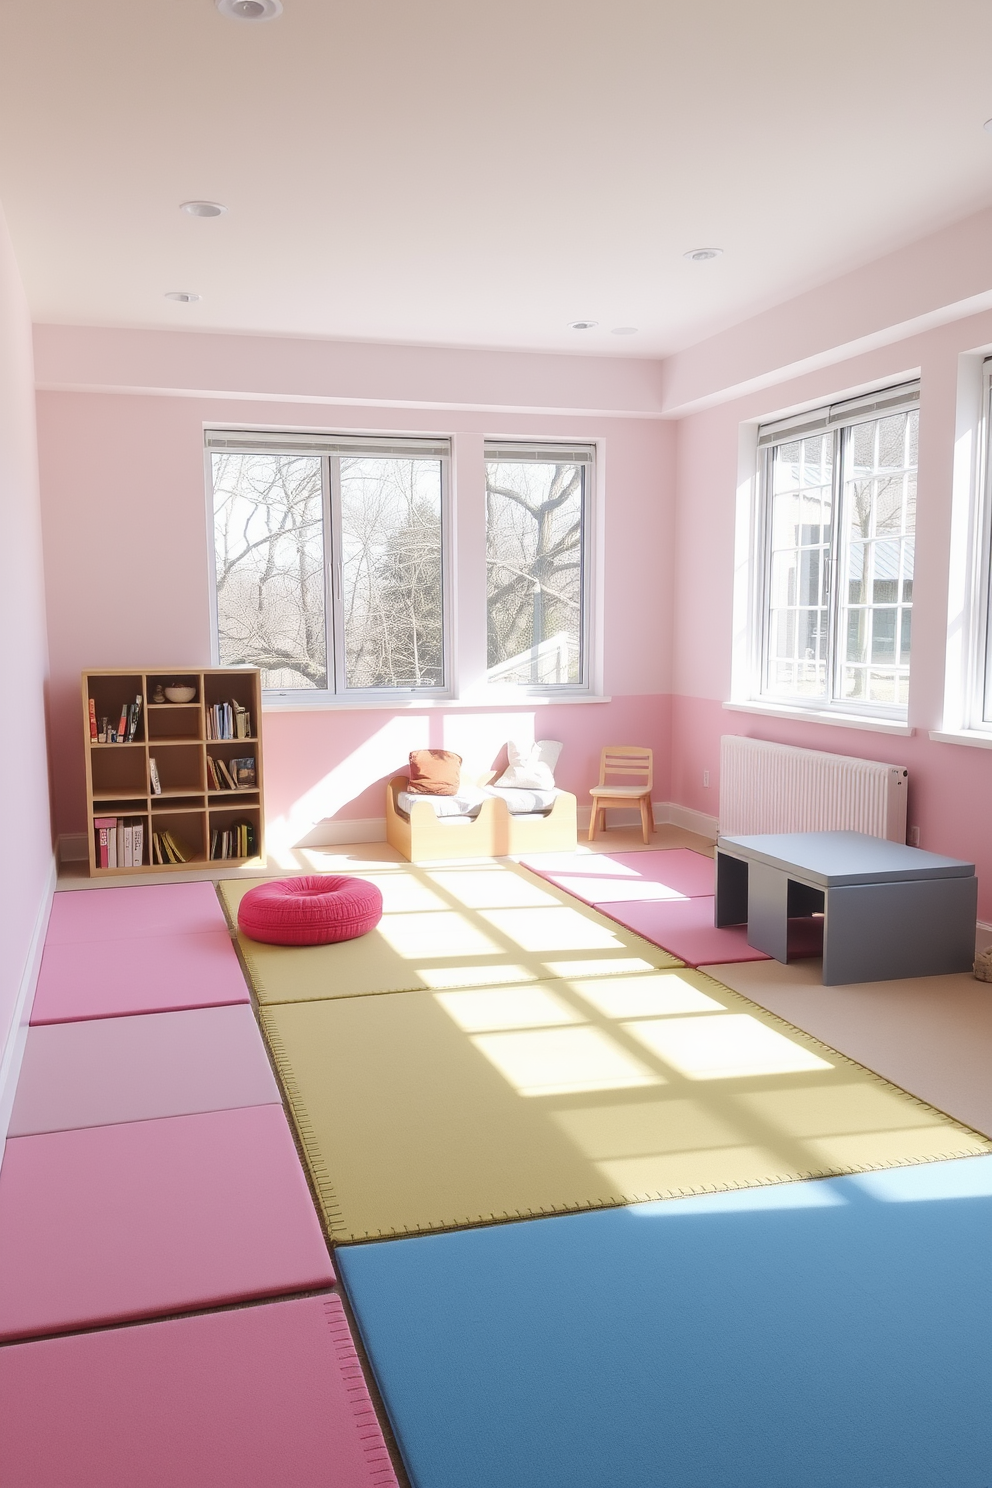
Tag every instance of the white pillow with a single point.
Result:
(531, 766)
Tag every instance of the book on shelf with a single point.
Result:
(235, 841)
(167, 848)
(120, 841)
(94, 732)
(243, 770)
(228, 721)
(156, 784)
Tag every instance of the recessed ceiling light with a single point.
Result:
(203, 208)
(250, 10)
(701, 255)
(624, 331)
(183, 296)
(988, 125)
(582, 325)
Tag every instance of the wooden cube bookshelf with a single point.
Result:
(175, 736)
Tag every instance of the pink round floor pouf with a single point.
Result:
(310, 911)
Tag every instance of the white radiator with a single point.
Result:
(768, 787)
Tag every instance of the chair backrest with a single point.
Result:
(634, 764)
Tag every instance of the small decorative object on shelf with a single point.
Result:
(159, 800)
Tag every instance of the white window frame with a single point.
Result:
(329, 448)
(586, 454)
(828, 418)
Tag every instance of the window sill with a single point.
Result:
(974, 737)
(422, 705)
(822, 715)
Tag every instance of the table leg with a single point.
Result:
(730, 905)
(875, 932)
(768, 910)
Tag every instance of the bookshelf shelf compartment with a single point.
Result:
(174, 735)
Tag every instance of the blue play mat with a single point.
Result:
(834, 1334)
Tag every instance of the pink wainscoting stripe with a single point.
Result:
(114, 1222)
(151, 974)
(104, 1071)
(605, 878)
(258, 1397)
(122, 914)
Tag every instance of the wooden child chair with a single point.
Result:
(626, 775)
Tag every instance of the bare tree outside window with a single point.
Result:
(269, 547)
(283, 522)
(391, 572)
(535, 539)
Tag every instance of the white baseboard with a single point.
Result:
(73, 847)
(13, 1051)
(671, 814)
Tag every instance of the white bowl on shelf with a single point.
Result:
(180, 694)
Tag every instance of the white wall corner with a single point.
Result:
(13, 1051)
(966, 588)
(743, 660)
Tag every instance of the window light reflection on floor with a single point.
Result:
(563, 1061)
(474, 976)
(558, 929)
(612, 890)
(489, 1010)
(733, 1046)
(647, 997)
(602, 966)
(497, 889)
(441, 934)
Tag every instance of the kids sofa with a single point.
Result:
(504, 824)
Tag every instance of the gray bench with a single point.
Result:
(889, 910)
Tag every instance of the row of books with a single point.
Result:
(126, 728)
(120, 841)
(167, 848)
(237, 841)
(232, 774)
(228, 721)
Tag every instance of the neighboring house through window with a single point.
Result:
(837, 525)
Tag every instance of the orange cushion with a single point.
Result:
(434, 772)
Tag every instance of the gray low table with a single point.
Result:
(889, 910)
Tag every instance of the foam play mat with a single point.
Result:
(251, 1398)
(106, 1223)
(146, 974)
(835, 1334)
(103, 1071)
(124, 913)
(473, 925)
(599, 878)
(444, 1108)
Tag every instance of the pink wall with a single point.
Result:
(26, 861)
(950, 785)
(126, 551)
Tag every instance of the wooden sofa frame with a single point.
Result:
(424, 837)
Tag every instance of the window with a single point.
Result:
(329, 561)
(838, 525)
(537, 563)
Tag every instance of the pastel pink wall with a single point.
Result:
(950, 797)
(126, 545)
(26, 861)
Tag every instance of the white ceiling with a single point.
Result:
(435, 171)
